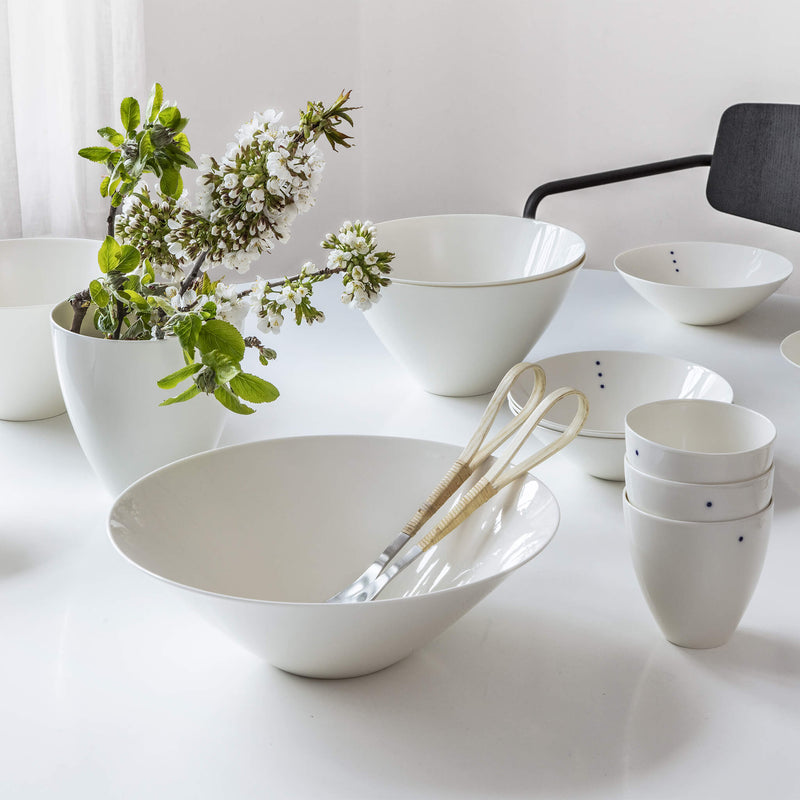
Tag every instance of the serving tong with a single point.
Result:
(375, 577)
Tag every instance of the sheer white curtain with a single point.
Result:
(65, 65)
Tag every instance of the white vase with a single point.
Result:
(35, 274)
(113, 402)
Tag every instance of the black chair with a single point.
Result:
(754, 170)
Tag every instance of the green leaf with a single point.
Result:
(253, 389)
(129, 259)
(169, 117)
(145, 145)
(115, 137)
(99, 295)
(104, 186)
(216, 334)
(135, 297)
(182, 141)
(172, 380)
(225, 368)
(108, 257)
(130, 114)
(191, 392)
(98, 154)
(155, 101)
(187, 330)
(171, 183)
(231, 402)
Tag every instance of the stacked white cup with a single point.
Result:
(698, 509)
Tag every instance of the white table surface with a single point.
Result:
(558, 685)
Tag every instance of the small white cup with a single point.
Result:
(699, 441)
(697, 577)
(698, 502)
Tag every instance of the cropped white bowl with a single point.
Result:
(703, 283)
(301, 518)
(35, 274)
(471, 294)
(697, 577)
(698, 502)
(699, 441)
(614, 381)
(790, 348)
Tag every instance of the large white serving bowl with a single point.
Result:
(703, 283)
(35, 274)
(699, 441)
(259, 535)
(697, 577)
(698, 502)
(471, 294)
(614, 381)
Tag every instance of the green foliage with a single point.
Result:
(159, 147)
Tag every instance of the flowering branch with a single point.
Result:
(160, 247)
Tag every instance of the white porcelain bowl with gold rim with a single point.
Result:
(259, 535)
(703, 283)
(471, 294)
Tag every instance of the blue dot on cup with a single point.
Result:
(709, 504)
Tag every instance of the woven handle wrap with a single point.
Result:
(476, 496)
(455, 476)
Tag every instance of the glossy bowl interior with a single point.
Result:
(614, 381)
(699, 441)
(703, 283)
(35, 274)
(302, 517)
(471, 294)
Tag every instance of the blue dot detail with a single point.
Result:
(741, 538)
(676, 269)
(672, 252)
(598, 363)
(636, 452)
(602, 386)
(599, 374)
(709, 504)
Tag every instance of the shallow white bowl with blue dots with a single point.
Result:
(614, 381)
(703, 283)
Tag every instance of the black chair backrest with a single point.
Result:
(754, 170)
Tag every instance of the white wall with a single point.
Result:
(469, 105)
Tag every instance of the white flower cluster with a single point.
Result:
(353, 252)
(271, 303)
(143, 221)
(231, 305)
(249, 200)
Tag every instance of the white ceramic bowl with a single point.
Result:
(698, 502)
(614, 381)
(471, 295)
(790, 348)
(697, 577)
(111, 393)
(703, 283)
(35, 274)
(301, 518)
(699, 441)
